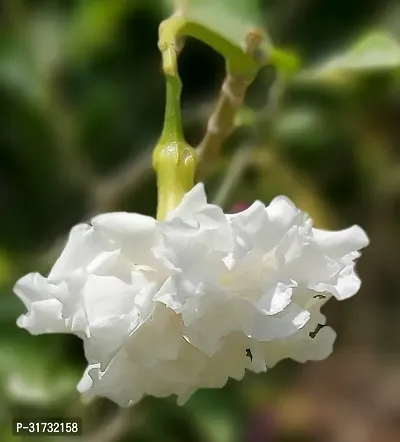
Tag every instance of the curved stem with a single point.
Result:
(242, 68)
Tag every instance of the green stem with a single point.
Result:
(174, 161)
(172, 129)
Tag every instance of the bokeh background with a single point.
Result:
(81, 104)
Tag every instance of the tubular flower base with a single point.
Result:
(168, 307)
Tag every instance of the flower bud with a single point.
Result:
(175, 165)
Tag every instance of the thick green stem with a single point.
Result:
(175, 168)
(174, 161)
(172, 130)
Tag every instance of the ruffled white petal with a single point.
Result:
(44, 311)
(170, 307)
(44, 317)
(340, 243)
(83, 246)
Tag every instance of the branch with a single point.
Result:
(242, 157)
(73, 164)
(130, 177)
(236, 169)
(221, 123)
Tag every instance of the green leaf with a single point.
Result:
(7, 268)
(94, 25)
(18, 72)
(286, 61)
(224, 25)
(28, 59)
(376, 51)
(28, 375)
(217, 416)
(245, 116)
(44, 38)
(373, 52)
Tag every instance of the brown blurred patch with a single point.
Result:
(353, 396)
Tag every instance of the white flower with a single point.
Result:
(169, 307)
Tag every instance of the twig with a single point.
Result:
(132, 175)
(274, 100)
(221, 122)
(74, 165)
(235, 171)
(242, 156)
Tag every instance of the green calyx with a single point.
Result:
(175, 165)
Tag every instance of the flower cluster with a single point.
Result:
(168, 307)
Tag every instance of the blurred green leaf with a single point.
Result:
(217, 415)
(7, 268)
(301, 124)
(29, 374)
(94, 24)
(376, 51)
(6, 434)
(18, 72)
(10, 308)
(285, 60)
(245, 116)
(29, 57)
(44, 36)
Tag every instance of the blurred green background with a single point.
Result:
(81, 104)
